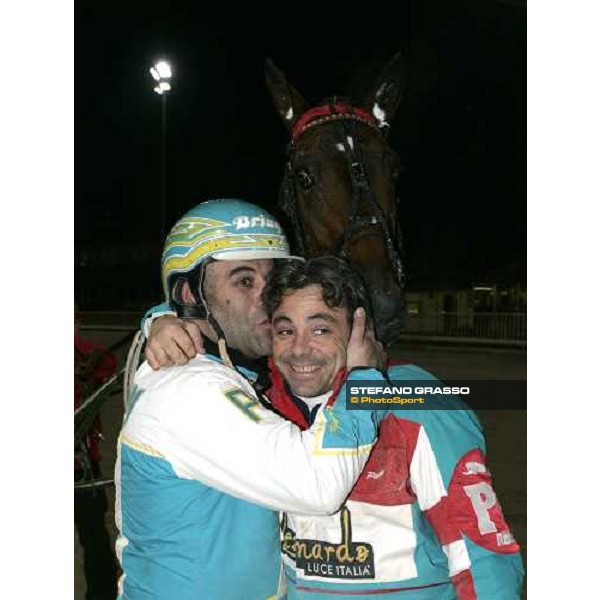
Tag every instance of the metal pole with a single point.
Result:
(163, 169)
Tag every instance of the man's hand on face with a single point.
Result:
(172, 341)
(364, 350)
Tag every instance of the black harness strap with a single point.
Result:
(287, 202)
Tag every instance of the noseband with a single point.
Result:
(345, 117)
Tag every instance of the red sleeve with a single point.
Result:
(471, 511)
(476, 508)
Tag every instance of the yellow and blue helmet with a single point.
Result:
(225, 229)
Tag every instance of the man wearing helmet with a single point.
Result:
(202, 464)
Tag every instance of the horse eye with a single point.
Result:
(304, 179)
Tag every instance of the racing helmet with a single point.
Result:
(224, 229)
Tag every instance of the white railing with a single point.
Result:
(502, 327)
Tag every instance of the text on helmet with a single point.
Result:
(244, 222)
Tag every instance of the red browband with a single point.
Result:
(332, 112)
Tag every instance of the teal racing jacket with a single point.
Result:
(423, 521)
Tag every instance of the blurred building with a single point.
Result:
(483, 311)
(117, 275)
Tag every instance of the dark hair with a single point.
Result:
(343, 287)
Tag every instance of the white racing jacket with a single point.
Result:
(197, 453)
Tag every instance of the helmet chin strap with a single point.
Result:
(201, 310)
(221, 341)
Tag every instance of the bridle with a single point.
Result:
(345, 117)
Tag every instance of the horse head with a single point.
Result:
(339, 187)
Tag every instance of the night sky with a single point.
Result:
(460, 131)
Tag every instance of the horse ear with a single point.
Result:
(388, 90)
(288, 101)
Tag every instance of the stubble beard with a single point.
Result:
(252, 341)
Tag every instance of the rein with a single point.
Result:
(345, 116)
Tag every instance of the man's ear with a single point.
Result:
(186, 294)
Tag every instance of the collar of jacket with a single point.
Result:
(284, 401)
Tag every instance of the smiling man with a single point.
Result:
(311, 358)
(423, 521)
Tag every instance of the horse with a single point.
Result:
(338, 190)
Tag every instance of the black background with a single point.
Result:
(460, 131)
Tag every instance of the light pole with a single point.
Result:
(161, 73)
